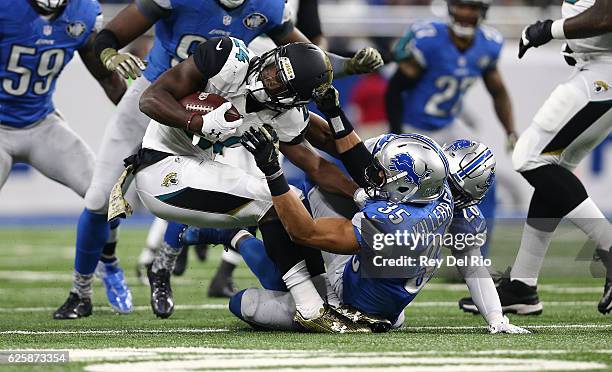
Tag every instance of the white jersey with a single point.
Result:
(230, 82)
(597, 45)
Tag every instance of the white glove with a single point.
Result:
(214, 126)
(360, 197)
(503, 326)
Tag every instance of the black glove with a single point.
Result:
(534, 35)
(263, 144)
(328, 102)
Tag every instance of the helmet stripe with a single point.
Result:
(474, 164)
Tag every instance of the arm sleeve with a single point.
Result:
(211, 56)
(154, 9)
(308, 18)
(481, 286)
(394, 103)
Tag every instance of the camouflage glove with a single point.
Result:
(364, 61)
(125, 64)
(263, 144)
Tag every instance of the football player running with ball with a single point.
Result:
(405, 178)
(38, 39)
(572, 121)
(181, 147)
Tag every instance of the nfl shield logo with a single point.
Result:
(47, 30)
(227, 19)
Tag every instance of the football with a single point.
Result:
(206, 102)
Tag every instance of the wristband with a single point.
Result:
(556, 30)
(188, 126)
(104, 40)
(339, 124)
(278, 186)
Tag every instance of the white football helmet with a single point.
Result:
(472, 170)
(407, 168)
(51, 6)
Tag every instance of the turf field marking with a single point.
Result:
(115, 331)
(156, 359)
(210, 330)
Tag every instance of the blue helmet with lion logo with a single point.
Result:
(407, 168)
(472, 170)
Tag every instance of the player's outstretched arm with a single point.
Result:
(113, 85)
(594, 21)
(502, 104)
(130, 23)
(160, 100)
(333, 235)
(320, 136)
(322, 172)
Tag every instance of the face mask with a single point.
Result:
(231, 3)
(462, 31)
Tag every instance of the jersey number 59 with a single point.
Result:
(50, 65)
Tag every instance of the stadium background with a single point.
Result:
(348, 25)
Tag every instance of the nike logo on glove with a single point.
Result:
(218, 47)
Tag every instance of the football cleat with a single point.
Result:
(605, 304)
(330, 321)
(222, 286)
(375, 323)
(162, 302)
(181, 262)
(515, 296)
(74, 307)
(117, 291)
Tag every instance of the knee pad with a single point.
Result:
(96, 200)
(524, 149)
(562, 104)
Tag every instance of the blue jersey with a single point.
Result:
(34, 51)
(435, 99)
(387, 297)
(468, 221)
(190, 22)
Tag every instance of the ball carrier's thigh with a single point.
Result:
(122, 137)
(572, 121)
(203, 193)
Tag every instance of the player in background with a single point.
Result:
(305, 16)
(180, 27)
(38, 39)
(437, 63)
(405, 180)
(574, 119)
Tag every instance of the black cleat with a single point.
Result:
(181, 262)
(605, 304)
(74, 307)
(515, 296)
(161, 293)
(222, 286)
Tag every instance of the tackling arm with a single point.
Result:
(324, 173)
(113, 85)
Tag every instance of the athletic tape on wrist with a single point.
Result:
(556, 30)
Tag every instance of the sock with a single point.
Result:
(108, 252)
(588, 217)
(81, 285)
(92, 234)
(166, 258)
(254, 254)
(530, 257)
(307, 299)
(171, 247)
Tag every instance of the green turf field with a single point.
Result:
(35, 273)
